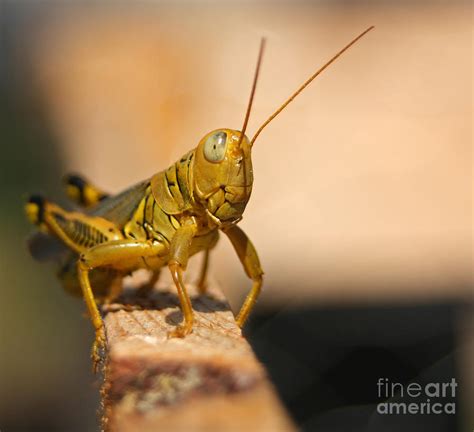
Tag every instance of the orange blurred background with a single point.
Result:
(363, 185)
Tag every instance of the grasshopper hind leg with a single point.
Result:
(106, 255)
(78, 231)
(81, 234)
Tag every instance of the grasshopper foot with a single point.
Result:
(98, 349)
(181, 331)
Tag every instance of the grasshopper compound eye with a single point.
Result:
(215, 147)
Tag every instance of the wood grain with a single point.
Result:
(208, 381)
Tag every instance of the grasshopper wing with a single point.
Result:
(44, 247)
(119, 208)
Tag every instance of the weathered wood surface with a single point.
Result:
(208, 381)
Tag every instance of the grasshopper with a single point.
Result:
(161, 221)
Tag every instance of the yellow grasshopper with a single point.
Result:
(161, 221)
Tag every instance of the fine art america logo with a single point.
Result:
(415, 398)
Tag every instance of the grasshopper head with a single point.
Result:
(223, 173)
(223, 166)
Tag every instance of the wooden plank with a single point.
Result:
(208, 381)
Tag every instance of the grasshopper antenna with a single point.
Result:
(305, 84)
(254, 86)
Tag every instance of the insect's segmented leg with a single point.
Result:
(179, 254)
(249, 259)
(50, 218)
(202, 284)
(78, 231)
(79, 190)
(102, 255)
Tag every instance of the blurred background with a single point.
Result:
(362, 204)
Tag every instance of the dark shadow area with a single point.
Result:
(133, 299)
(326, 363)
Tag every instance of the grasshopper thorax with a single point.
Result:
(222, 173)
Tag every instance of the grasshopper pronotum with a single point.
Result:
(161, 221)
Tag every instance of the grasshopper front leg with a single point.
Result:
(249, 259)
(108, 254)
(179, 254)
